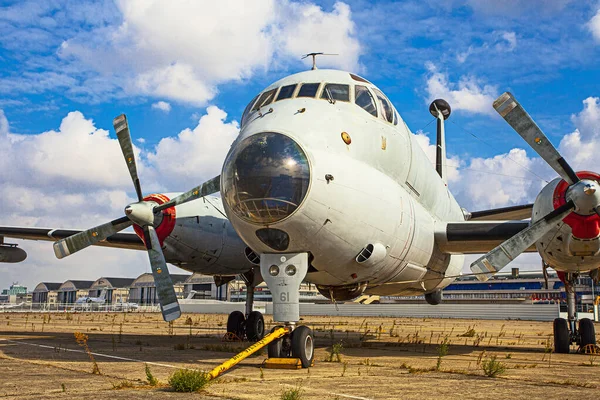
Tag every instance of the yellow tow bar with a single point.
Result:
(276, 334)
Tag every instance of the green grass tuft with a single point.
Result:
(188, 380)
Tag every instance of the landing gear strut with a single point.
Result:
(252, 324)
(283, 274)
(565, 331)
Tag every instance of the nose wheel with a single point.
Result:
(299, 344)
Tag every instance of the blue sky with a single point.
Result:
(185, 71)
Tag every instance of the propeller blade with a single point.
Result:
(503, 254)
(122, 129)
(81, 240)
(208, 187)
(164, 285)
(510, 109)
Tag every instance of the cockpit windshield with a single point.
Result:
(336, 91)
(265, 99)
(365, 100)
(362, 93)
(247, 110)
(286, 92)
(388, 111)
(308, 90)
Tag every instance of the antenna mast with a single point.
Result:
(314, 58)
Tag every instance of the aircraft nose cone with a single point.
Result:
(265, 178)
(128, 210)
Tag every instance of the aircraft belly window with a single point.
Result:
(388, 111)
(336, 91)
(247, 110)
(365, 100)
(264, 99)
(286, 92)
(308, 90)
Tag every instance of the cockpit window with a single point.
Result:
(247, 110)
(264, 99)
(365, 100)
(286, 92)
(308, 90)
(396, 117)
(336, 92)
(388, 111)
(359, 78)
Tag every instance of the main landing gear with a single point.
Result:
(565, 330)
(250, 325)
(283, 274)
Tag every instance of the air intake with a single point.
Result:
(252, 256)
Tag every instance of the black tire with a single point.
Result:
(255, 326)
(562, 337)
(303, 345)
(434, 298)
(587, 333)
(235, 324)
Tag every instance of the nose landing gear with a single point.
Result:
(283, 274)
(565, 330)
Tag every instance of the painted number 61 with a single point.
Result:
(284, 297)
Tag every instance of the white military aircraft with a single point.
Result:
(92, 300)
(326, 183)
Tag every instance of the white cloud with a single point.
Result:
(466, 95)
(505, 179)
(594, 26)
(162, 106)
(75, 177)
(453, 163)
(196, 154)
(184, 51)
(498, 181)
(581, 147)
(319, 31)
(508, 41)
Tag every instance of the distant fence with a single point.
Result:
(79, 307)
(531, 312)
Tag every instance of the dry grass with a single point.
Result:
(376, 354)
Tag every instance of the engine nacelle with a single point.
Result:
(575, 245)
(12, 254)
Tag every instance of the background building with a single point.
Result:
(70, 291)
(143, 289)
(117, 289)
(15, 294)
(45, 292)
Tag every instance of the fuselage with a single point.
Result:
(338, 174)
(197, 237)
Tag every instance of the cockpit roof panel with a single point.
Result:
(319, 75)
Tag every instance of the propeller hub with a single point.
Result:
(141, 213)
(585, 195)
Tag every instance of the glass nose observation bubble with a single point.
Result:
(265, 178)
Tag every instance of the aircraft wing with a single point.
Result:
(503, 214)
(118, 240)
(476, 237)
